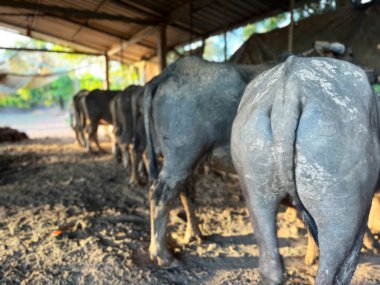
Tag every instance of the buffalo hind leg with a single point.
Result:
(192, 229)
(347, 269)
(88, 140)
(136, 156)
(79, 137)
(96, 140)
(312, 251)
(263, 212)
(145, 161)
(161, 197)
(92, 136)
(117, 153)
(125, 156)
(339, 251)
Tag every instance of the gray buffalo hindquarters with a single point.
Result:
(128, 128)
(189, 110)
(309, 128)
(96, 109)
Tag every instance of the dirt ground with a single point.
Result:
(52, 184)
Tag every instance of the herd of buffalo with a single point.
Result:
(305, 130)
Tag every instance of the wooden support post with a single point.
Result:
(191, 23)
(342, 3)
(161, 45)
(291, 27)
(225, 29)
(107, 82)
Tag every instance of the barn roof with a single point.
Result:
(127, 29)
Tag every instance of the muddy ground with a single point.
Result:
(52, 184)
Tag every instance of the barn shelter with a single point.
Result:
(131, 31)
(357, 28)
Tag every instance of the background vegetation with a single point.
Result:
(76, 72)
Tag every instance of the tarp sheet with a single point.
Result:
(356, 28)
(10, 82)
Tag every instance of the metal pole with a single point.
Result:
(291, 27)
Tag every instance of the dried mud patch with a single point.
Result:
(103, 226)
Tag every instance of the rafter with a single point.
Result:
(51, 51)
(183, 10)
(73, 12)
(22, 29)
(101, 4)
(49, 37)
(138, 8)
(83, 26)
(92, 28)
(145, 32)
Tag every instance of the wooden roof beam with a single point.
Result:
(73, 12)
(40, 36)
(138, 8)
(63, 41)
(145, 32)
(100, 5)
(52, 51)
(86, 26)
(183, 10)
(92, 28)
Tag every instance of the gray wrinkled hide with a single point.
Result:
(189, 110)
(309, 127)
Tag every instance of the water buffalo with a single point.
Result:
(77, 117)
(309, 128)
(128, 128)
(96, 109)
(188, 114)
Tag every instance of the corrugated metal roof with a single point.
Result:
(87, 33)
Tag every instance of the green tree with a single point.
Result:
(90, 82)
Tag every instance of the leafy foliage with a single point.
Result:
(59, 92)
(87, 72)
(376, 87)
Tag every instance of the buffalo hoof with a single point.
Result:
(192, 235)
(266, 281)
(133, 183)
(117, 158)
(271, 272)
(165, 260)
